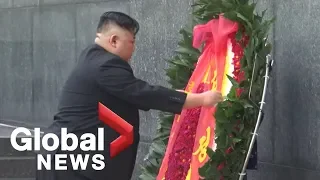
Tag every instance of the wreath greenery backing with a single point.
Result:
(235, 117)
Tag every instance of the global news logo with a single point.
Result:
(86, 142)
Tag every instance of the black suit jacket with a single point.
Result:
(104, 77)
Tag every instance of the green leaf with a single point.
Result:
(241, 127)
(238, 35)
(236, 140)
(158, 148)
(230, 112)
(210, 152)
(243, 1)
(161, 137)
(224, 104)
(180, 63)
(232, 94)
(226, 172)
(146, 176)
(248, 11)
(231, 15)
(233, 81)
(221, 116)
(223, 140)
(187, 37)
(204, 169)
(236, 107)
(244, 84)
(219, 129)
(227, 3)
(244, 19)
(187, 51)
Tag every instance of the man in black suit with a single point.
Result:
(104, 75)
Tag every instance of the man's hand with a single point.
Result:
(211, 98)
(205, 99)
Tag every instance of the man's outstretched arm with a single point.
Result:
(116, 78)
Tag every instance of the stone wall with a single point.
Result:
(40, 41)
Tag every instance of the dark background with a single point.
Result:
(40, 41)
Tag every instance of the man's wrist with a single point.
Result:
(194, 100)
(202, 99)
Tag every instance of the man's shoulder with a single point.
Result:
(93, 52)
(98, 56)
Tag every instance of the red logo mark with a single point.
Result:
(118, 124)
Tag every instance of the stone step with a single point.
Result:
(17, 178)
(15, 165)
(6, 149)
(17, 168)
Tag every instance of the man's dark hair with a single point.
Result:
(119, 19)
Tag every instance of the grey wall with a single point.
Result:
(41, 39)
(289, 136)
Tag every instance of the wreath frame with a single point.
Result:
(223, 163)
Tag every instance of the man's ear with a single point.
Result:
(113, 40)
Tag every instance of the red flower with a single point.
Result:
(239, 92)
(221, 166)
(180, 157)
(241, 76)
(229, 150)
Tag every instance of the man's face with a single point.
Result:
(125, 44)
(118, 41)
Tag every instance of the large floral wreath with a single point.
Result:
(235, 117)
